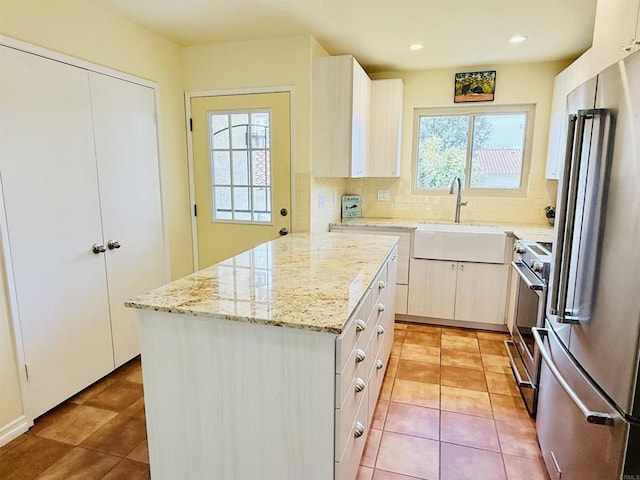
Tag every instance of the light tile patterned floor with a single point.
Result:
(449, 409)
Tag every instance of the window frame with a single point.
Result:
(471, 111)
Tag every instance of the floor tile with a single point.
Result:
(460, 400)
(118, 437)
(129, 470)
(397, 346)
(459, 332)
(508, 408)
(140, 453)
(80, 464)
(496, 363)
(421, 338)
(469, 431)
(392, 367)
(464, 344)
(413, 420)
(74, 423)
(13, 444)
(399, 326)
(371, 448)
(492, 347)
(417, 457)
(33, 456)
(135, 409)
(458, 358)
(382, 475)
(414, 327)
(464, 463)
(518, 439)
(416, 393)
(418, 371)
(463, 378)
(117, 397)
(519, 468)
(502, 383)
(387, 388)
(365, 473)
(92, 390)
(420, 353)
(486, 335)
(380, 414)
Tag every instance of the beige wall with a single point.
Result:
(515, 84)
(79, 29)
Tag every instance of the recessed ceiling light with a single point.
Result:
(416, 46)
(517, 39)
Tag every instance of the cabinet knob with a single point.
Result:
(359, 430)
(382, 284)
(381, 307)
(360, 325)
(462, 266)
(360, 384)
(113, 244)
(380, 329)
(360, 356)
(379, 364)
(453, 266)
(98, 248)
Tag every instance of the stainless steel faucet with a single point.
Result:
(459, 202)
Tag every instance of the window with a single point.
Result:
(240, 148)
(486, 147)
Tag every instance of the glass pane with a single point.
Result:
(239, 122)
(219, 124)
(260, 167)
(221, 168)
(442, 149)
(497, 150)
(240, 168)
(222, 203)
(260, 130)
(260, 200)
(241, 200)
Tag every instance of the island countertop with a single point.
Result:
(306, 281)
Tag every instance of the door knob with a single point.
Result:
(98, 248)
(113, 244)
(284, 212)
(283, 232)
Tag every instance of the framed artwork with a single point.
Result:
(475, 87)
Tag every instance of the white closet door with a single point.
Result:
(49, 183)
(126, 150)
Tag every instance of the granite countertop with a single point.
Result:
(307, 281)
(536, 233)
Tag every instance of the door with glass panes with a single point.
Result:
(242, 172)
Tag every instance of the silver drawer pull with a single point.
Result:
(359, 430)
(360, 384)
(382, 284)
(380, 329)
(360, 356)
(360, 325)
(381, 307)
(379, 364)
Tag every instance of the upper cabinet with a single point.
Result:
(386, 128)
(616, 32)
(341, 117)
(356, 122)
(566, 81)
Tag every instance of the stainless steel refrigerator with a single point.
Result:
(588, 419)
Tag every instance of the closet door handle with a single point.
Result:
(98, 248)
(113, 244)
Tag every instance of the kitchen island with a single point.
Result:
(268, 365)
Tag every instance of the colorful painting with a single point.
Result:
(475, 86)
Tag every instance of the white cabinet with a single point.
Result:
(341, 117)
(78, 163)
(565, 82)
(615, 33)
(464, 291)
(386, 128)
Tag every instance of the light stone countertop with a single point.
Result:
(306, 281)
(536, 233)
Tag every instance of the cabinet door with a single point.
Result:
(386, 128)
(52, 207)
(432, 288)
(614, 33)
(481, 292)
(360, 121)
(127, 157)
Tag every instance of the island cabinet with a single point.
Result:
(269, 365)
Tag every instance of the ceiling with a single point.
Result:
(456, 33)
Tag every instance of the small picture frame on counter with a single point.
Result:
(351, 206)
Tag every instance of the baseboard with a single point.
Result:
(13, 429)
(496, 327)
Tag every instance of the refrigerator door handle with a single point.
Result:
(597, 418)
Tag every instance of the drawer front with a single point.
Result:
(376, 377)
(352, 369)
(347, 467)
(353, 336)
(347, 412)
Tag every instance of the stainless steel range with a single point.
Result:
(533, 269)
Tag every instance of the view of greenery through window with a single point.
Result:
(485, 150)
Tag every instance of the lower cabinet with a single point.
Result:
(464, 291)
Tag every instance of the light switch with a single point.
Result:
(383, 195)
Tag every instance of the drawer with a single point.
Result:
(381, 331)
(346, 413)
(353, 335)
(352, 369)
(376, 377)
(347, 467)
(379, 285)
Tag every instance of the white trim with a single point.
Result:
(221, 93)
(14, 429)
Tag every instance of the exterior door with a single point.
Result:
(242, 170)
(49, 185)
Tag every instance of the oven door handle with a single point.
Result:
(532, 283)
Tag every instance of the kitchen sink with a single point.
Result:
(460, 242)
